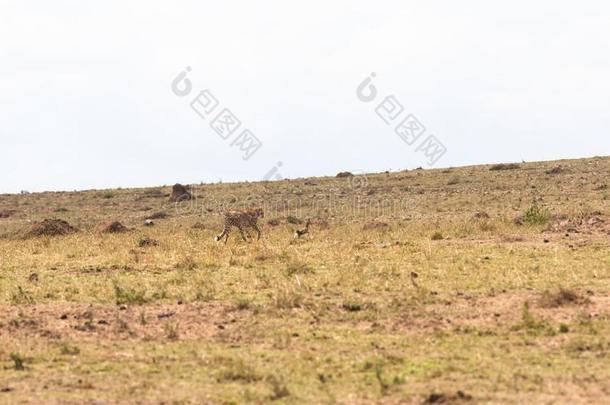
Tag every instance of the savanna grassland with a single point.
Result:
(473, 284)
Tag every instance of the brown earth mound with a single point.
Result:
(345, 174)
(112, 227)
(51, 227)
(180, 193)
(504, 166)
(6, 213)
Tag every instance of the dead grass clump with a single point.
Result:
(564, 296)
(51, 227)
(157, 215)
(556, 170)
(180, 193)
(320, 223)
(273, 222)
(440, 398)
(288, 299)
(454, 180)
(111, 227)
(504, 166)
(298, 267)
(293, 220)
(481, 215)
(437, 236)
(198, 225)
(237, 370)
(146, 242)
(369, 226)
(154, 193)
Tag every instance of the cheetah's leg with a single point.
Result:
(258, 231)
(242, 234)
(225, 232)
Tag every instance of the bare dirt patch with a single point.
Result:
(111, 322)
(590, 223)
(563, 296)
(504, 309)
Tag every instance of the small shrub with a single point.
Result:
(18, 361)
(278, 388)
(142, 318)
(291, 219)
(171, 330)
(383, 385)
(107, 195)
(242, 303)
(188, 263)
(237, 370)
(535, 215)
(22, 297)
(131, 296)
(454, 180)
(437, 236)
(352, 306)
(66, 349)
(532, 325)
(297, 267)
(288, 299)
(562, 297)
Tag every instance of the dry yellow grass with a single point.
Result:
(332, 317)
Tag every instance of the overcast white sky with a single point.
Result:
(86, 99)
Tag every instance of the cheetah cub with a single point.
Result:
(242, 220)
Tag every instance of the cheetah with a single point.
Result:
(242, 220)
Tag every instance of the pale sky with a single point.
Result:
(86, 98)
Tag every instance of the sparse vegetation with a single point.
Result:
(18, 361)
(504, 166)
(413, 293)
(535, 215)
